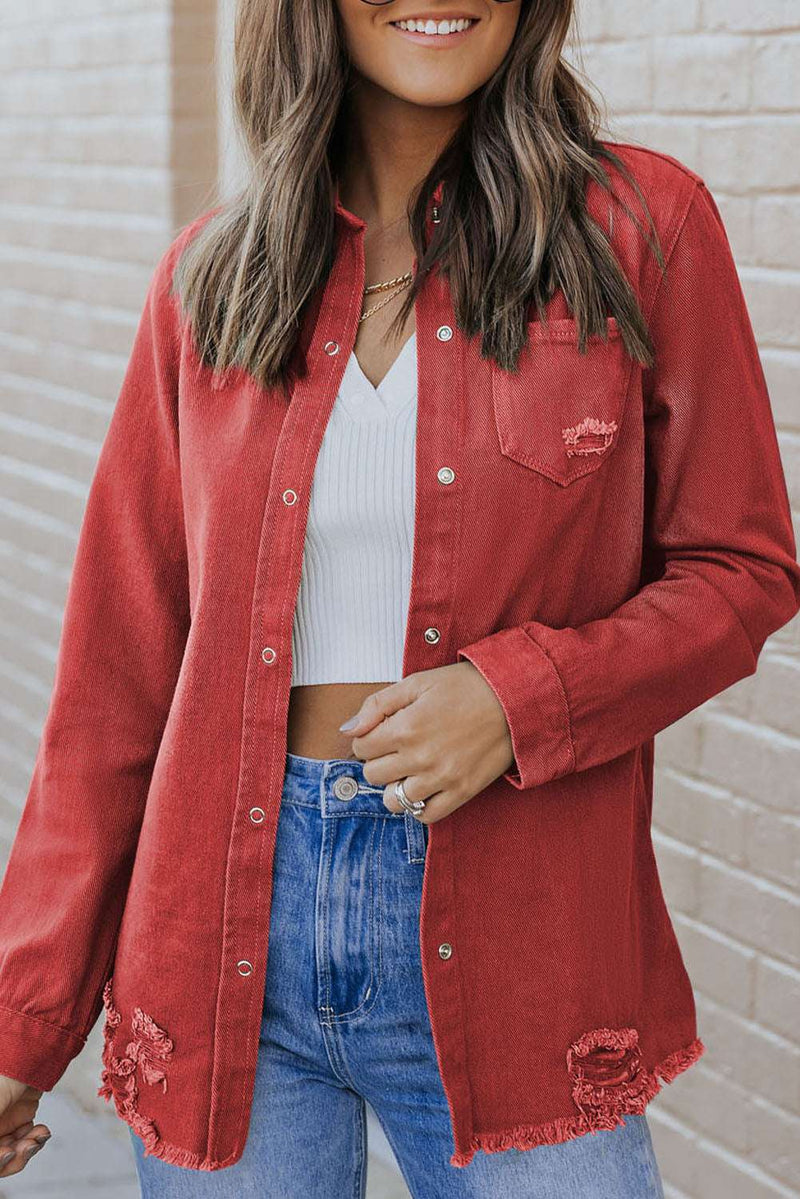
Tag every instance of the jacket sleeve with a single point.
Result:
(123, 633)
(720, 559)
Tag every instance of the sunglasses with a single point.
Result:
(381, 3)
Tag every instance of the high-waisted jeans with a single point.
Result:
(345, 1020)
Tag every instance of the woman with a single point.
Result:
(399, 726)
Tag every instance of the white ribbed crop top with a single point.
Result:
(352, 602)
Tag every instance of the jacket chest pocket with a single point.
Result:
(560, 413)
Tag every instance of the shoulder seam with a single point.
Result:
(678, 227)
(180, 239)
(164, 270)
(675, 162)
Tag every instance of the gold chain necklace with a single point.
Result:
(401, 283)
(389, 283)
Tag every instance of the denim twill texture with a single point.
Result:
(614, 549)
(345, 1020)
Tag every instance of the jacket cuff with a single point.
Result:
(33, 1051)
(533, 699)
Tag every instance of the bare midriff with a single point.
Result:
(315, 713)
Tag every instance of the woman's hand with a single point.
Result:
(20, 1138)
(443, 731)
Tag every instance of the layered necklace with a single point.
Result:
(395, 286)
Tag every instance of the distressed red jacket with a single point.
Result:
(610, 546)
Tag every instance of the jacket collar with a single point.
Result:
(351, 221)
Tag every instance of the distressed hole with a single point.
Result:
(147, 1055)
(608, 1078)
(590, 436)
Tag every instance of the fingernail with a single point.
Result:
(42, 1138)
(5, 1159)
(29, 1152)
(348, 724)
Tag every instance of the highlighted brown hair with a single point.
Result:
(514, 225)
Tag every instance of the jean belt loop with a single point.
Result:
(415, 838)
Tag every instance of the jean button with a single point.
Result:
(345, 787)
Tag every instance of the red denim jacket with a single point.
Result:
(610, 546)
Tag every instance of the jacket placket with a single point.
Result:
(428, 643)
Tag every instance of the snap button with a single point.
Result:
(444, 333)
(345, 787)
(257, 815)
(331, 347)
(432, 636)
(268, 654)
(445, 474)
(445, 950)
(289, 496)
(244, 967)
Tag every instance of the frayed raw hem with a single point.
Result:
(175, 1156)
(149, 1053)
(569, 1128)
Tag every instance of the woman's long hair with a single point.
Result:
(513, 220)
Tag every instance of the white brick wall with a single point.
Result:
(108, 143)
(107, 146)
(717, 83)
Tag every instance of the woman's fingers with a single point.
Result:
(15, 1155)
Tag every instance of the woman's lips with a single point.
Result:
(435, 40)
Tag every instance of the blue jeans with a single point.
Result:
(345, 1020)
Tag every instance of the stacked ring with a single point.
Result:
(413, 806)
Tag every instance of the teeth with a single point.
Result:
(435, 27)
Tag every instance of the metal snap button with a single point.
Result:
(432, 636)
(445, 474)
(331, 347)
(244, 967)
(289, 497)
(445, 950)
(345, 787)
(268, 654)
(257, 815)
(444, 333)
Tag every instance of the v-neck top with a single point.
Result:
(363, 401)
(352, 603)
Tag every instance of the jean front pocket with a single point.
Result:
(560, 413)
